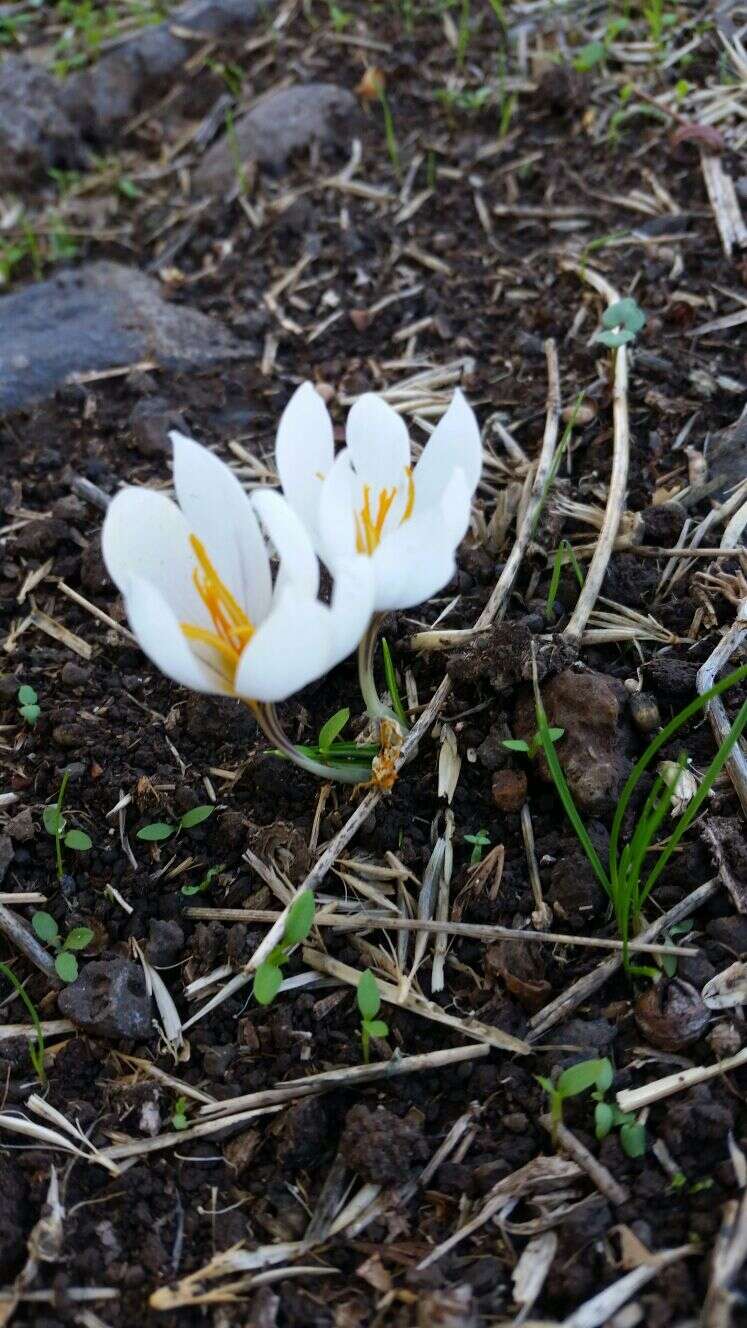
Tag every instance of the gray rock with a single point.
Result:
(164, 943)
(100, 316)
(35, 131)
(109, 999)
(151, 421)
(281, 124)
(127, 78)
(726, 454)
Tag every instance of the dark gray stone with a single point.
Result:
(109, 999)
(726, 454)
(281, 124)
(100, 316)
(36, 133)
(151, 421)
(165, 942)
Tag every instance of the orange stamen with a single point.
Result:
(410, 496)
(233, 629)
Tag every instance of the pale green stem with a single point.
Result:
(375, 708)
(267, 718)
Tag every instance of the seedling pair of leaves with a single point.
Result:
(621, 323)
(298, 924)
(530, 749)
(56, 825)
(608, 1116)
(332, 750)
(479, 841)
(179, 1117)
(66, 965)
(160, 830)
(369, 1004)
(28, 704)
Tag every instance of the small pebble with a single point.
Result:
(509, 790)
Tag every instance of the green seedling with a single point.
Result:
(339, 18)
(332, 750)
(626, 879)
(36, 1049)
(530, 749)
(621, 322)
(160, 830)
(298, 924)
(563, 553)
(369, 1004)
(608, 1116)
(669, 962)
(479, 841)
(573, 1081)
(56, 825)
(179, 1116)
(206, 881)
(65, 962)
(390, 678)
(28, 704)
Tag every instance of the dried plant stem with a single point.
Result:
(634, 1099)
(573, 996)
(573, 1148)
(736, 762)
(618, 479)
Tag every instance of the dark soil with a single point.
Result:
(484, 288)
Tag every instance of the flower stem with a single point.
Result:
(366, 649)
(269, 722)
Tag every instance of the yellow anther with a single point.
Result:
(233, 629)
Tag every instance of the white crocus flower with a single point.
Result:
(198, 590)
(369, 503)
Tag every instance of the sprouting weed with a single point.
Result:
(339, 18)
(332, 750)
(66, 965)
(56, 825)
(563, 552)
(179, 1115)
(36, 1049)
(626, 879)
(160, 830)
(28, 704)
(391, 683)
(576, 1079)
(205, 882)
(620, 323)
(369, 1004)
(298, 924)
(479, 842)
(608, 1116)
(531, 748)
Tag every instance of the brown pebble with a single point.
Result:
(645, 712)
(671, 1014)
(509, 790)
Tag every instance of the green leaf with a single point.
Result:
(555, 734)
(603, 1119)
(45, 927)
(614, 339)
(267, 980)
(624, 313)
(515, 745)
(179, 1121)
(26, 695)
(195, 817)
(300, 918)
(67, 966)
(54, 823)
(30, 713)
(367, 995)
(377, 1028)
(588, 56)
(78, 840)
(605, 1076)
(209, 876)
(390, 678)
(633, 1140)
(577, 1078)
(332, 729)
(155, 832)
(78, 938)
(545, 1083)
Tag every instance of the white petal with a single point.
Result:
(145, 535)
(291, 648)
(298, 562)
(304, 452)
(218, 511)
(417, 560)
(352, 605)
(455, 441)
(379, 443)
(336, 518)
(158, 632)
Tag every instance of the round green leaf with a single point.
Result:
(369, 1001)
(30, 713)
(78, 840)
(195, 817)
(578, 1078)
(300, 918)
(67, 966)
(27, 695)
(377, 1028)
(605, 1076)
(45, 927)
(633, 1140)
(603, 1120)
(78, 938)
(155, 832)
(267, 980)
(54, 824)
